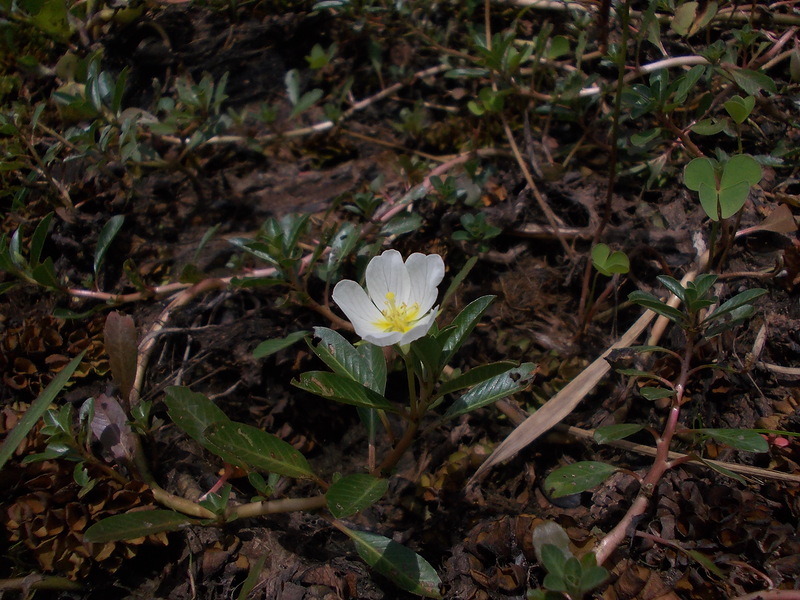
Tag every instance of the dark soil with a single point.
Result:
(478, 538)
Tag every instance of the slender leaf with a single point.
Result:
(741, 439)
(453, 336)
(577, 477)
(714, 466)
(135, 525)
(459, 279)
(493, 389)
(475, 376)
(735, 302)
(354, 493)
(405, 568)
(107, 235)
(253, 576)
(610, 433)
(656, 393)
(673, 285)
(259, 449)
(37, 409)
(270, 347)
(657, 306)
(39, 237)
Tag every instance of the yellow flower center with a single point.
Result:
(397, 317)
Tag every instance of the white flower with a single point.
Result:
(397, 306)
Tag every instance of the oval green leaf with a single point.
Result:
(354, 493)
(258, 449)
(405, 568)
(577, 477)
(340, 389)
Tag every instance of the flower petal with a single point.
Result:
(386, 273)
(420, 328)
(356, 305)
(425, 274)
(384, 338)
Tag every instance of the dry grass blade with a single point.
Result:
(559, 406)
(563, 403)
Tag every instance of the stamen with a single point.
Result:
(397, 317)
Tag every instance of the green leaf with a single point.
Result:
(657, 306)
(741, 439)
(610, 433)
(37, 409)
(340, 355)
(673, 285)
(741, 172)
(51, 18)
(706, 562)
(253, 576)
(135, 525)
(656, 393)
(459, 279)
(720, 469)
(491, 390)
(45, 274)
(698, 172)
(405, 568)
(577, 477)
(636, 373)
(374, 363)
(753, 82)
(259, 449)
(550, 533)
(194, 413)
(737, 301)
(402, 223)
(107, 235)
(740, 108)
(38, 238)
(475, 376)
(684, 17)
(554, 560)
(341, 389)
(708, 127)
(270, 347)
(607, 262)
(455, 334)
(354, 493)
(593, 577)
(306, 101)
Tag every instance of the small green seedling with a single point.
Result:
(723, 189)
(567, 575)
(476, 229)
(608, 263)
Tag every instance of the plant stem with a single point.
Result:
(397, 452)
(268, 507)
(661, 465)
